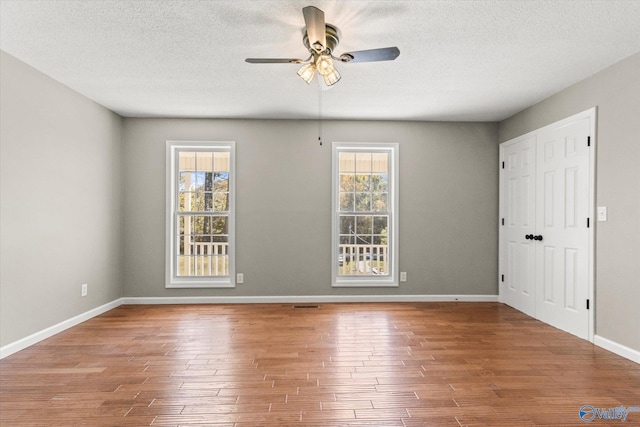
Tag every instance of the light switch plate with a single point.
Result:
(602, 213)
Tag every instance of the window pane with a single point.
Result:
(187, 161)
(221, 202)
(196, 224)
(347, 162)
(346, 201)
(380, 240)
(345, 240)
(221, 181)
(204, 161)
(347, 224)
(380, 163)
(379, 183)
(363, 182)
(185, 265)
(208, 201)
(363, 202)
(218, 225)
(184, 202)
(364, 239)
(363, 162)
(380, 225)
(197, 202)
(200, 178)
(379, 202)
(208, 181)
(221, 161)
(347, 182)
(184, 247)
(198, 239)
(364, 224)
(187, 181)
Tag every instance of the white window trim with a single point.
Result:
(367, 281)
(171, 280)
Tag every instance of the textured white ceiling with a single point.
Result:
(459, 60)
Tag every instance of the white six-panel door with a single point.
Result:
(562, 213)
(546, 198)
(519, 221)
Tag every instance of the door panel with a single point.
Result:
(519, 218)
(563, 188)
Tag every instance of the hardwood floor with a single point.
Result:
(387, 364)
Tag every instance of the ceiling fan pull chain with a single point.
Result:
(320, 115)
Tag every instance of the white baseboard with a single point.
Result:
(309, 298)
(619, 349)
(32, 339)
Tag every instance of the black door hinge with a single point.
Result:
(502, 221)
(503, 277)
(502, 165)
(587, 222)
(588, 141)
(587, 304)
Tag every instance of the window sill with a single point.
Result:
(190, 284)
(364, 284)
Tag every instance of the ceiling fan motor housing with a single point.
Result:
(333, 39)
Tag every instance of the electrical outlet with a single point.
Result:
(83, 290)
(403, 276)
(239, 278)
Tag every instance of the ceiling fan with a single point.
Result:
(321, 39)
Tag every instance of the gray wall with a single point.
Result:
(616, 94)
(448, 205)
(60, 202)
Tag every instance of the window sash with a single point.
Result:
(363, 254)
(200, 233)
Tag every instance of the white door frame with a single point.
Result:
(590, 114)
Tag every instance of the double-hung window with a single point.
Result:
(365, 214)
(200, 214)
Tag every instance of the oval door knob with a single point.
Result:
(529, 237)
(538, 237)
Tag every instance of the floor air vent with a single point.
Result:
(306, 306)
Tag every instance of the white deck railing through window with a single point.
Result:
(363, 260)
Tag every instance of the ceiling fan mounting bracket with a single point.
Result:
(333, 39)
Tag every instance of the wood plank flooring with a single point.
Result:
(387, 364)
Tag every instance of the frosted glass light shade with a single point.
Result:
(307, 72)
(332, 77)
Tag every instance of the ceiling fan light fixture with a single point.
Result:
(332, 78)
(324, 65)
(321, 40)
(307, 71)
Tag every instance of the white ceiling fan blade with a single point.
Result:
(316, 31)
(274, 60)
(371, 55)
